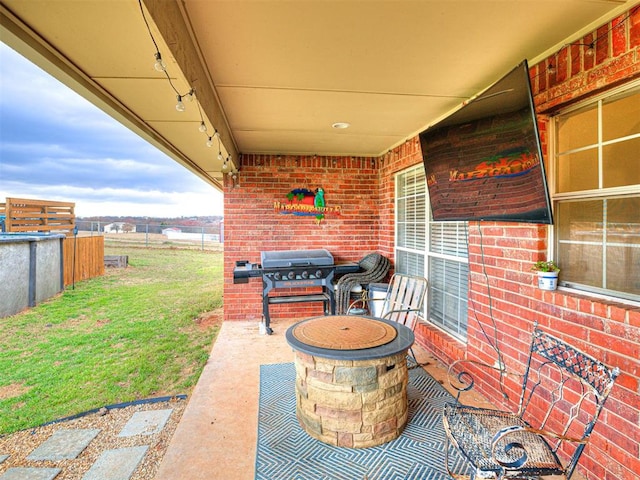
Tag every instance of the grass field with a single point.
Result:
(157, 240)
(137, 332)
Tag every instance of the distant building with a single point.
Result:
(177, 234)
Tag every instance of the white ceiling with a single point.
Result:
(273, 75)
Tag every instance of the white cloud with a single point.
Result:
(55, 145)
(167, 205)
(105, 201)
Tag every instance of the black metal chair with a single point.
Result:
(562, 394)
(373, 268)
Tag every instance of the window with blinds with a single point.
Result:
(411, 195)
(439, 248)
(448, 275)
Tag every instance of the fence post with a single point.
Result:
(146, 235)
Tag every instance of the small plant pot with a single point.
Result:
(547, 280)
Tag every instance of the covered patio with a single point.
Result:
(217, 435)
(289, 98)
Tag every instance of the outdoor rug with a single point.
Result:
(286, 452)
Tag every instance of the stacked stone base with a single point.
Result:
(352, 403)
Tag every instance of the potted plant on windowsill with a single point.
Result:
(547, 274)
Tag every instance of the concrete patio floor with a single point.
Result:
(216, 437)
(217, 434)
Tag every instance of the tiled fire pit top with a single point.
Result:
(344, 332)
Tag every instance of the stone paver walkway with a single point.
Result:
(64, 445)
(118, 464)
(145, 423)
(68, 443)
(30, 473)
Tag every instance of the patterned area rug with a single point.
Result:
(286, 452)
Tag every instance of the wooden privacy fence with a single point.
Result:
(83, 258)
(25, 215)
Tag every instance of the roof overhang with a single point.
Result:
(273, 77)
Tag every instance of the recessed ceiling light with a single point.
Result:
(341, 125)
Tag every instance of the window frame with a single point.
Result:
(397, 248)
(601, 192)
(428, 254)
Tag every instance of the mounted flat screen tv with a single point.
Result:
(484, 161)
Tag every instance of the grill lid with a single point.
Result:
(296, 258)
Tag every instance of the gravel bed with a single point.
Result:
(20, 444)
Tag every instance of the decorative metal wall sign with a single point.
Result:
(307, 203)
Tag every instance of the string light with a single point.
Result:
(589, 51)
(160, 66)
(180, 106)
(225, 167)
(210, 139)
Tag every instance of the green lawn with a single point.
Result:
(134, 333)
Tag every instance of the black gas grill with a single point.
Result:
(294, 269)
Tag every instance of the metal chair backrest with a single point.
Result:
(575, 388)
(404, 301)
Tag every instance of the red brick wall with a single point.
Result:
(252, 225)
(609, 331)
(577, 75)
(403, 157)
(364, 188)
(606, 330)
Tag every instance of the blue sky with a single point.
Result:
(55, 145)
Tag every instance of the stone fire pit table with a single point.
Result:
(351, 378)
